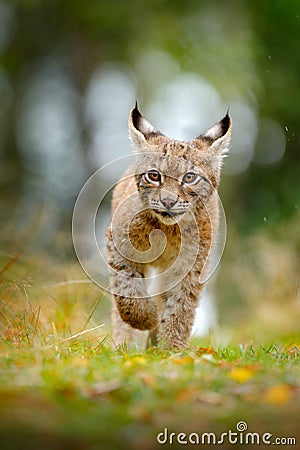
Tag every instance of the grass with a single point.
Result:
(63, 385)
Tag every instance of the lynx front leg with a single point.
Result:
(124, 334)
(131, 300)
(178, 316)
(152, 338)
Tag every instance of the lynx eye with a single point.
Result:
(153, 175)
(190, 177)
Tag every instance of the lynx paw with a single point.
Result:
(138, 313)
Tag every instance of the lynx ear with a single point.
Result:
(218, 137)
(215, 143)
(140, 129)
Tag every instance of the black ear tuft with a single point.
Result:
(218, 131)
(136, 116)
(225, 123)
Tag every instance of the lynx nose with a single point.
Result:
(168, 202)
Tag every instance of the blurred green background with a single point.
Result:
(70, 71)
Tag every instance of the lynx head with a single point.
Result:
(174, 176)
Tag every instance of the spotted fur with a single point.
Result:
(172, 190)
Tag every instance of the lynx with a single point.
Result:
(164, 213)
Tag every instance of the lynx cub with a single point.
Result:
(164, 212)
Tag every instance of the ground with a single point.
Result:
(63, 385)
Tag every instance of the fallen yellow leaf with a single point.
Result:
(184, 360)
(207, 350)
(241, 374)
(278, 395)
(135, 361)
(139, 360)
